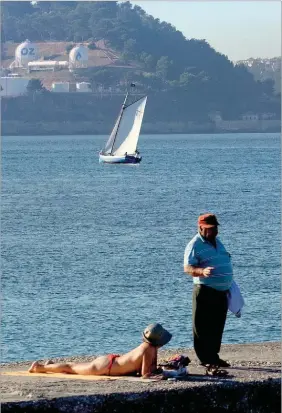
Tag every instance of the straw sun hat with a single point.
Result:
(156, 335)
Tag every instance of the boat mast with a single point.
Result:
(122, 109)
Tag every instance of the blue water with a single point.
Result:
(93, 253)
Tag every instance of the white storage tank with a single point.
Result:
(41, 65)
(64, 64)
(78, 57)
(26, 52)
(62, 87)
(47, 65)
(13, 86)
(83, 87)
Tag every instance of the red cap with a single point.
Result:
(208, 221)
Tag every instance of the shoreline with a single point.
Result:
(22, 128)
(230, 349)
(144, 133)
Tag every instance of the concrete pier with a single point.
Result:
(253, 385)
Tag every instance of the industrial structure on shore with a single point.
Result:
(28, 59)
(27, 56)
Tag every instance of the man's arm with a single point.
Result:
(192, 261)
(197, 271)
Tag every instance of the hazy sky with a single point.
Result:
(238, 29)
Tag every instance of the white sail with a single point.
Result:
(109, 144)
(129, 127)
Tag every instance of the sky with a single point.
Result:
(238, 29)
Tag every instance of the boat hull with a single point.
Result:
(114, 159)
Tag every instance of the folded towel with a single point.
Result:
(182, 371)
(235, 299)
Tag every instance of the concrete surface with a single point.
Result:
(254, 376)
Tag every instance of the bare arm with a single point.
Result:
(198, 271)
(149, 362)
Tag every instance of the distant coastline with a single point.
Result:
(103, 128)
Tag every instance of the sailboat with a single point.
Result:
(121, 146)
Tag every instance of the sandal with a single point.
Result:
(215, 371)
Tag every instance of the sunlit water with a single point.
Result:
(92, 253)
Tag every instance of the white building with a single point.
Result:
(268, 116)
(13, 86)
(61, 87)
(215, 116)
(250, 116)
(83, 87)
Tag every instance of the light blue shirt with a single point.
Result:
(201, 253)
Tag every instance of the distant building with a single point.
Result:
(13, 86)
(267, 116)
(61, 87)
(250, 116)
(83, 87)
(215, 116)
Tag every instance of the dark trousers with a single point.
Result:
(209, 315)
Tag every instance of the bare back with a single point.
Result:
(142, 359)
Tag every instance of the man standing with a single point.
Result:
(208, 262)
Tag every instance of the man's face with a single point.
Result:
(209, 233)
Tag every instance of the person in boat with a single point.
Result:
(142, 359)
(208, 262)
(125, 154)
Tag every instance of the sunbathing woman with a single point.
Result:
(142, 359)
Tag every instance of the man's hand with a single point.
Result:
(198, 271)
(207, 271)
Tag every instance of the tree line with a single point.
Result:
(187, 70)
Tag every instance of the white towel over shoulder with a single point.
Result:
(235, 299)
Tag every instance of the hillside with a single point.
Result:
(132, 46)
(101, 57)
(263, 69)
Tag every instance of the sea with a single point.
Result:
(93, 253)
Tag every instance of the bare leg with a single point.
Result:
(37, 367)
(96, 367)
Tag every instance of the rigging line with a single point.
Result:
(122, 110)
(136, 101)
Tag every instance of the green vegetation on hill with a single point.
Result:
(183, 73)
(265, 69)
